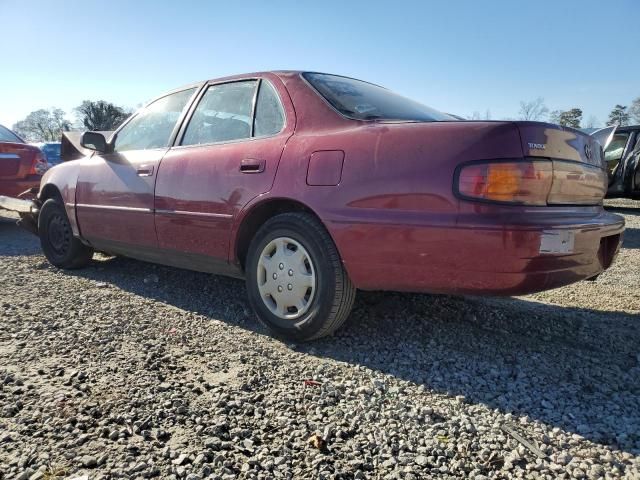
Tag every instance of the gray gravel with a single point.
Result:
(130, 370)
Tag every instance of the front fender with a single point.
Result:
(62, 180)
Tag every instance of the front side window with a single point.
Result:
(152, 126)
(269, 113)
(364, 101)
(223, 114)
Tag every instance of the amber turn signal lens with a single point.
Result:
(526, 183)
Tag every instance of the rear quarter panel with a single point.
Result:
(393, 175)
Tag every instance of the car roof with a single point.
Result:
(223, 79)
(241, 76)
(256, 74)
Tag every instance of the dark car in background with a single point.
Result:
(622, 157)
(21, 165)
(51, 151)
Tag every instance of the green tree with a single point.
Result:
(43, 125)
(571, 118)
(634, 110)
(100, 115)
(554, 116)
(618, 116)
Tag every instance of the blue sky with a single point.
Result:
(458, 56)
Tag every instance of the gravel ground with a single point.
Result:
(130, 370)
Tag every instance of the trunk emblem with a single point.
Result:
(588, 152)
(537, 146)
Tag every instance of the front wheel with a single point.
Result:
(59, 245)
(296, 282)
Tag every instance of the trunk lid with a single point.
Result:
(17, 160)
(559, 143)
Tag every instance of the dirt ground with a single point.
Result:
(131, 370)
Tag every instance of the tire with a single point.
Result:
(59, 245)
(300, 243)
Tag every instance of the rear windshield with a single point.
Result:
(7, 135)
(365, 101)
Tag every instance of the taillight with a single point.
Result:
(532, 182)
(577, 184)
(526, 182)
(39, 164)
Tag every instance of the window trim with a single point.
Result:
(197, 87)
(254, 102)
(177, 144)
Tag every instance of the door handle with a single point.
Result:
(252, 165)
(145, 170)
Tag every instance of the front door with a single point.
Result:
(114, 195)
(228, 154)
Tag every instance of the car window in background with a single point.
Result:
(364, 101)
(269, 115)
(614, 151)
(7, 135)
(152, 126)
(223, 114)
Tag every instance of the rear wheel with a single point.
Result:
(59, 245)
(295, 279)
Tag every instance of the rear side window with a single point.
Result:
(223, 114)
(365, 101)
(153, 125)
(7, 135)
(269, 114)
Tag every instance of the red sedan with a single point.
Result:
(21, 165)
(311, 185)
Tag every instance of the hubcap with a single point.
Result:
(59, 234)
(286, 278)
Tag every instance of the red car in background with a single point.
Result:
(21, 165)
(312, 185)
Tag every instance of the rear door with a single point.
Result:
(114, 195)
(227, 153)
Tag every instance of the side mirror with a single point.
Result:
(94, 141)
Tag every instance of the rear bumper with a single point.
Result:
(13, 188)
(479, 256)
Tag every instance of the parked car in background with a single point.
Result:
(622, 157)
(21, 165)
(51, 151)
(312, 185)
